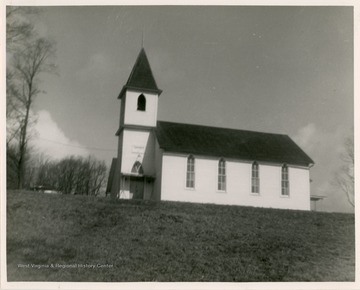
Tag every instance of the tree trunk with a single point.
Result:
(23, 140)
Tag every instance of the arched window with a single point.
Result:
(222, 175)
(141, 103)
(137, 168)
(190, 172)
(284, 180)
(255, 180)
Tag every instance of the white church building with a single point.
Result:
(160, 160)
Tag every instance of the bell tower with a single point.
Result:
(134, 171)
(139, 97)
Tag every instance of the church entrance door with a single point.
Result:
(137, 187)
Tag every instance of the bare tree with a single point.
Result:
(12, 112)
(28, 57)
(345, 176)
(83, 177)
(11, 175)
(68, 174)
(90, 176)
(18, 29)
(28, 64)
(18, 32)
(99, 176)
(41, 170)
(73, 175)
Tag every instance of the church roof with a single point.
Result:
(141, 76)
(230, 143)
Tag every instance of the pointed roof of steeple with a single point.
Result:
(141, 76)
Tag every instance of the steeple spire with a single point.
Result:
(141, 77)
(142, 39)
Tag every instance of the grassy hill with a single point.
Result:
(97, 239)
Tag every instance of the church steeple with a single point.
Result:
(141, 77)
(135, 165)
(139, 96)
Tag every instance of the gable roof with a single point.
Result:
(141, 77)
(229, 143)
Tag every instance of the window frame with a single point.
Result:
(141, 103)
(190, 172)
(285, 181)
(137, 168)
(221, 175)
(255, 178)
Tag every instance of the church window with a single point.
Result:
(141, 103)
(222, 175)
(137, 168)
(190, 172)
(255, 180)
(284, 180)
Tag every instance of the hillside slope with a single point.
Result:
(97, 239)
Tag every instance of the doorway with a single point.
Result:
(137, 187)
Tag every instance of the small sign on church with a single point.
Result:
(138, 149)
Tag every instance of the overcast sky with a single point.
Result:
(286, 70)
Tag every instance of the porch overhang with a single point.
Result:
(145, 176)
(317, 197)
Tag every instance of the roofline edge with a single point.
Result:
(126, 87)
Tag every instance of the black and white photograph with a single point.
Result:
(148, 145)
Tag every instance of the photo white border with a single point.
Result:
(165, 285)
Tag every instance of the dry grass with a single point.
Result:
(147, 241)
